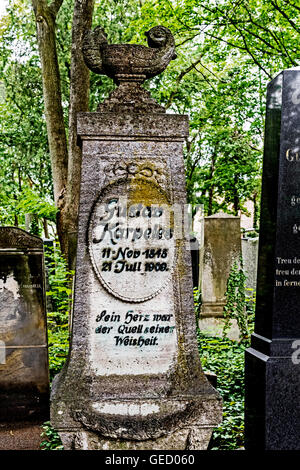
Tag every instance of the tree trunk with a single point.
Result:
(79, 101)
(45, 226)
(45, 16)
(65, 158)
(255, 211)
(211, 189)
(236, 201)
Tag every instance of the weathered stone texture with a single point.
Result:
(24, 381)
(134, 378)
(222, 247)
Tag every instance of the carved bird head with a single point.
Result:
(159, 37)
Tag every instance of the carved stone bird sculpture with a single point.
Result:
(129, 62)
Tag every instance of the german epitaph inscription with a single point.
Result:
(287, 269)
(287, 254)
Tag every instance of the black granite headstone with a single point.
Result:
(195, 260)
(272, 401)
(24, 380)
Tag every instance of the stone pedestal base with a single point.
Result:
(272, 386)
(212, 309)
(214, 327)
(183, 439)
(178, 423)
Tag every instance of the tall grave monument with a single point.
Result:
(272, 363)
(133, 379)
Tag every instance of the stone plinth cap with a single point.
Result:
(222, 215)
(92, 125)
(14, 237)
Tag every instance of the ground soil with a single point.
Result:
(20, 436)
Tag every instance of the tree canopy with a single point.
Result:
(227, 52)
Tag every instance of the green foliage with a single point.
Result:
(252, 234)
(226, 55)
(34, 228)
(235, 307)
(197, 302)
(60, 280)
(250, 308)
(32, 203)
(58, 344)
(51, 439)
(225, 358)
(24, 154)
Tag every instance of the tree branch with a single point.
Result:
(178, 80)
(269, 31)
(251, 54)
(276, 6)
(205, 78)
(188, 39)
(55, 6)
(292, 4)
(287, 52)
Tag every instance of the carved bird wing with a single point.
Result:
(91, 49)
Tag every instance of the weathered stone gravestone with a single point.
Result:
(24, 381)
(198, 231)
(195, 252)
(222, 247)
(272, 419)
(133, 379)
(250, 259)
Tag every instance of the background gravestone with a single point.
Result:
(250, 259)
(133, 379)
(195, 253)
(24, 382)
(272, 417)
(222, 247)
